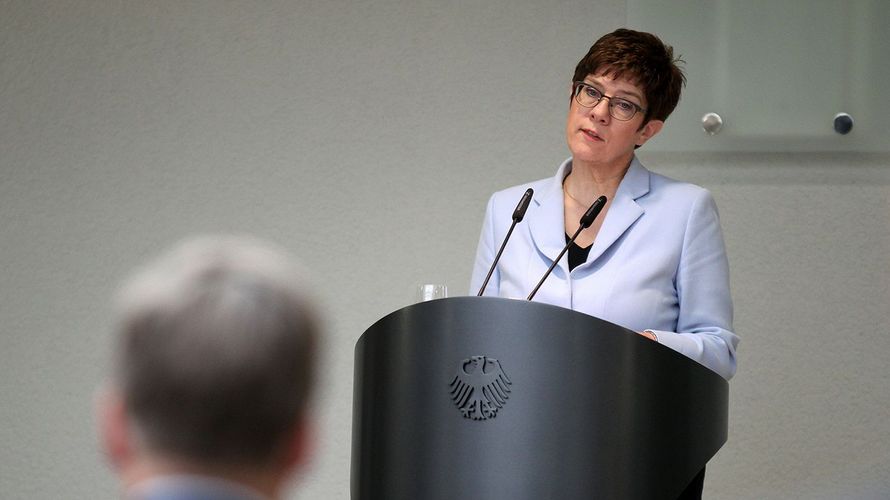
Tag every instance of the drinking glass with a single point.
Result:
(431, 292)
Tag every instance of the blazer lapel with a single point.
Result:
(547, 227)
(624, 210)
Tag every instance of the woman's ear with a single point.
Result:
(648, 131)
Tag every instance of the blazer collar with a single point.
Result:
(624, 210)
(547, 228)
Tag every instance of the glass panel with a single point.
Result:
(776, 72)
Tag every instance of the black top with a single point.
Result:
(577, 255)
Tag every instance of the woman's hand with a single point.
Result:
(649, 334)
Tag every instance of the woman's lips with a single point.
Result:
(591, 135)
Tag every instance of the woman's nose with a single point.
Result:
(600, 111)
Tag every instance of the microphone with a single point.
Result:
(585, 222)
(518, 214)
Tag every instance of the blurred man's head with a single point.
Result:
(213, 366)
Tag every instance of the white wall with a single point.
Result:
(366, 137)
(808, 238)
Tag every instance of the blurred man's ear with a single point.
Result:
(113, 427)
(300, 446)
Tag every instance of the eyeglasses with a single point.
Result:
(589, 96)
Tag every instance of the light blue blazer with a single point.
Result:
(658, 262)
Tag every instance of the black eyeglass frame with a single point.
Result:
(579, 86)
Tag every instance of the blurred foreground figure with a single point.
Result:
(214, 361)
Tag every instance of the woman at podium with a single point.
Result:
(654, 260)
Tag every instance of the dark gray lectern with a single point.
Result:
(489, 398)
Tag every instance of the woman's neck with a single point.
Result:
(587, 182)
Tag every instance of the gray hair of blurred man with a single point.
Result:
(216, 352)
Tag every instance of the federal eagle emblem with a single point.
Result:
(480, 387)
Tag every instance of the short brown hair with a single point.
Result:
(216, 351)
(643, 59)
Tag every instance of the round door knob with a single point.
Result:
(843, 123)
(711, 123)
